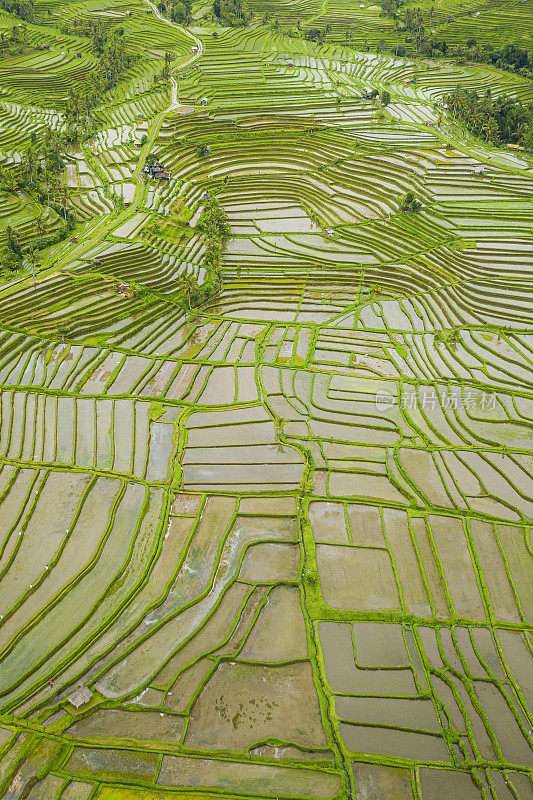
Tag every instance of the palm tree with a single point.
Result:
(9, 181)
(492, 132)
(34, 264)
(63, 331)
(13, 240)
(63, 199)
(55, 186)
(188, 283)
(39, 224)
(30, 163)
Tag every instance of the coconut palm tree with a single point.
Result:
(39, 224)
(9, 181)
(55, 186)
(188, 283)
(30, 164)
(63, 200)
(492, 132)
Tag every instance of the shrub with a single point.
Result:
(409, 202)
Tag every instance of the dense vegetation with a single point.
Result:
(502, 119)
(178, 11)
(38, 174)
(213, 224)
(24, 9)
(233, 13)
(113, 59)
(416, 25)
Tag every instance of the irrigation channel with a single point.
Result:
(266, 410)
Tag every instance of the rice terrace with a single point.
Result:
(266, 399)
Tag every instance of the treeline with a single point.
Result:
(500, 120)
(12, 251)
(318, 35)
(232, 13)
(39, 166)
(109, 48)
(510, 57)
(178, 11)
(15, 39)
(213, 224)
(416, 24)
(39, 174)
(24, 9)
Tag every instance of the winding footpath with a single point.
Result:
(99, 233)
(174, 99)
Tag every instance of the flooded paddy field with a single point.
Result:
(266, 531)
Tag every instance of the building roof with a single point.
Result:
(81, 696)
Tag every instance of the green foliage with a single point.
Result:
(450, 337)
(10, 252)
(318, 35)
(511, 56)
(390, 8)
(213, 223)
(385, 98)
(156, 411)
(214, 226)
(419, 24)
(234, 13)
(409, 202)
(109, 49)
(179, 11)
(501, 120)
(12, 241)
(25, 9)
(10, 262)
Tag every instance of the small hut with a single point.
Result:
(81, 696)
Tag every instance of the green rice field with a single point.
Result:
(266, 499)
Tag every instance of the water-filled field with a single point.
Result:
(274, 541)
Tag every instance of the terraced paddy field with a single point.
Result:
(265, 527)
